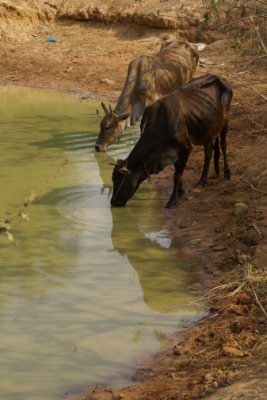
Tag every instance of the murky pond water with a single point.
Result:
(84, 289)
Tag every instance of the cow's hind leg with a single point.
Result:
(227, 173)
(208, 149)
(177, 179)
(216, 150)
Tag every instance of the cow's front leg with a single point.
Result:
(178, 189)
(208, 154)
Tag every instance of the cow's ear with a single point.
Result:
(124, 170)
(124, 116)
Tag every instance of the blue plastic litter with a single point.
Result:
(52, 39)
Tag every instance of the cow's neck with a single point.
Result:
(123, 125)
(124, 103)
(123, 107)
(136, 163)
(151, 163)
(144, 148)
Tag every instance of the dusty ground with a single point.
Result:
(223, 357)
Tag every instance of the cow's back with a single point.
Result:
(176, 66)
(204, 105)
(162, 73)
(192, 113)
(210, 91)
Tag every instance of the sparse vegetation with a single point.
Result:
(244, 20)
(247, 278)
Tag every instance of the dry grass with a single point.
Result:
(246, 278)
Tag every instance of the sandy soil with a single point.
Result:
(223, 356)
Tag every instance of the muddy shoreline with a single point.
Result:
(224, 356)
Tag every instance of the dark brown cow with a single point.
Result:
(149, 78)
(196, 114)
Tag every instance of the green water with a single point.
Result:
(85, 290)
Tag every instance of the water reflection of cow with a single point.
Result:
(104, 160)
(161, 274)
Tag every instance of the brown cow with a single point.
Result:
(196, 114)
(149, 78)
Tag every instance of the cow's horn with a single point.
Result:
(104, 107)
(110, 109)
(124, 170)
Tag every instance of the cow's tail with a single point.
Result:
(220, 142)
(216, 149)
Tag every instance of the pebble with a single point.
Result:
(240, 209)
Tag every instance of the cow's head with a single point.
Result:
(111, 128)
(125, 184)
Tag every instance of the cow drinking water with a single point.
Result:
(195, 114)
(149, 77)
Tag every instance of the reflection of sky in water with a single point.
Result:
(161, 237)
(84, 289)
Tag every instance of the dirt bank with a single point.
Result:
(224, 356)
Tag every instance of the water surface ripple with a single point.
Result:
(84, 289)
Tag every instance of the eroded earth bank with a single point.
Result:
(225, 355)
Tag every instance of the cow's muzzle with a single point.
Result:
(98, 147)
